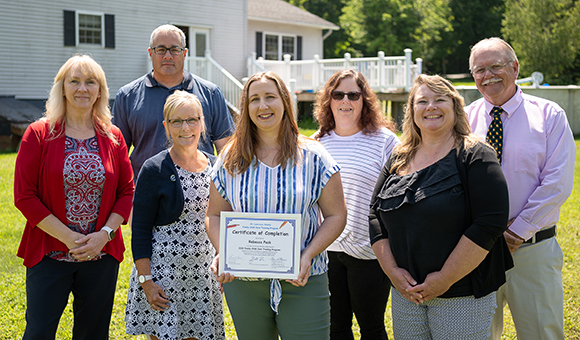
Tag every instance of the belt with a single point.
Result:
(542, 235)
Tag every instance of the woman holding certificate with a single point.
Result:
(268, 167)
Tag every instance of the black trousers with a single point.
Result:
(360, 287)
(48, 285)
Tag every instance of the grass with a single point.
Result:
(12, 272)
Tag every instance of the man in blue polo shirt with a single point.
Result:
(138, 107)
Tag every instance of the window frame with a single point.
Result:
(280, 37)
(77, 28)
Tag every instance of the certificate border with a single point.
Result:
(294, 219)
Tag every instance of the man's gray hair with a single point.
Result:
(167, 28)
(508, 50)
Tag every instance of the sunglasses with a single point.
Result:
(339, 95)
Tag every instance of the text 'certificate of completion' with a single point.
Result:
(260, 245)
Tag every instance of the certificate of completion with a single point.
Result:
(260, 245)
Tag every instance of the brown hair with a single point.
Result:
(371, 118)
(243, 144)
(411, 137)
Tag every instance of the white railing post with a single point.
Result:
(381, 70)
(292, 89)
(347, 60)
(287, 68)
(317, 70)
(408, 76)
(208, 68)
(419, 63)
(250, 64)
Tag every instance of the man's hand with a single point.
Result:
(513, 241)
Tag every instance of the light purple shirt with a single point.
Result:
(538, 158)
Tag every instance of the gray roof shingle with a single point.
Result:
(284, 12)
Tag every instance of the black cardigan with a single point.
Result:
(158, 200)
(485, 218)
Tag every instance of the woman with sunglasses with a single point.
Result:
(355, 132)
(173, 293)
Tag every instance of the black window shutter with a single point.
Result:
(109, 30)
(299, 47)
(259, 44)
(69, 28)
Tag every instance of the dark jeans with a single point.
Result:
(360, 287)
(48, 285)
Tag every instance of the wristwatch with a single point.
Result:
(109, 231)
(143, 278)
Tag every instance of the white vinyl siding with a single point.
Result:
(38, 27)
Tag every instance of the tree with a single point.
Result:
(380, 25)
(545, 36)
(472, 21)
(338, 42)
(434, 36)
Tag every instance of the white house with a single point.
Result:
(42, 35)
(276, 27)
(38, 36)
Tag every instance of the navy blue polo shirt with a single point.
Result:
(138, 112)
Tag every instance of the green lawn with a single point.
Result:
(12, 273)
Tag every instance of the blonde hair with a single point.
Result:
(244, 142)
(371, 118)
(56, 103)
(178, 100)
(411, 137)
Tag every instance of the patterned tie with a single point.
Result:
(495, 132)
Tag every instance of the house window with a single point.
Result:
(81, 27)
(200, 44)
(275, 46)
(196, 40)
(288, 46)
(271, 45)
(90, 29)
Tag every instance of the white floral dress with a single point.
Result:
(180, 264)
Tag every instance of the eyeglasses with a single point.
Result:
(339, 95)
(479, 72)
(177, 123)
(161, 50)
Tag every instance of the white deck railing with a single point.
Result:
(384, 74)
(207, 68)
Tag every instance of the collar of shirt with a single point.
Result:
(186, 84)
(508, 107)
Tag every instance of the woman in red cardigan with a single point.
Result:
(74, 185)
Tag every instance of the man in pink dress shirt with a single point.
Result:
(537, 158)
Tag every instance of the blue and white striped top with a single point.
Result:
(292, 190)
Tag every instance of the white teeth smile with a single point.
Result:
(432, 116)
(491, 81)
(266, 115)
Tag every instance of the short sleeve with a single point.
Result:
(328, 166)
